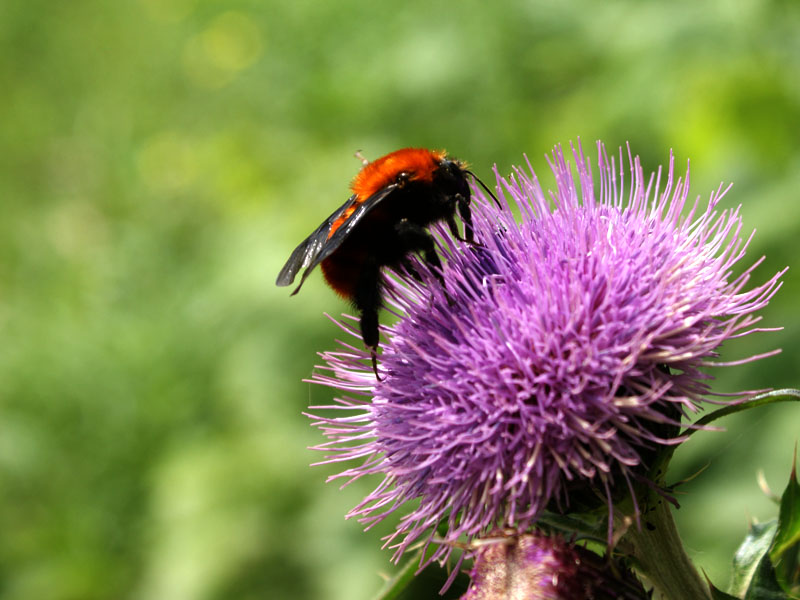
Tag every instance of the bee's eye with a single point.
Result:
(402, 177)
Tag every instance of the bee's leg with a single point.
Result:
(410, 269)
(453, 227)
(415, 238)
(367, 300)
(466, 217)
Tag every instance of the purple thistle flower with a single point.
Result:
(562, 350)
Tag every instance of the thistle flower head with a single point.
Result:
(556, 352)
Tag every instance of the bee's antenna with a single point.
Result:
(484, 186)
(360, 157)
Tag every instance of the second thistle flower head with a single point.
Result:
(555, 352)
(545, 567)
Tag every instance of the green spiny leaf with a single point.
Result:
(718, 594)
(764, 585)
(785, 550)
(749, 554)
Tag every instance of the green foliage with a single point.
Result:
(764, 585)
(161, 158)
(407, 584)
(717, 594)
(785, 551)
(766, 565)
(748, 557)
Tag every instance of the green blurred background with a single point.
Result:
(159, 160)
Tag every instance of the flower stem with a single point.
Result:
(658, 551)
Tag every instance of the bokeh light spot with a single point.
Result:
(231, 42)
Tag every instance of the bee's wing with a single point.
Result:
(321, 244)
(311, 247)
